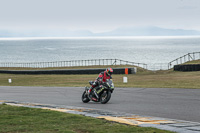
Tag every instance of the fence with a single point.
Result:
(184, 58)
(93, 62)
(100, 62)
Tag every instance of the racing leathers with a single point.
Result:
(103, 76)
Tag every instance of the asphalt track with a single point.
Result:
(181, 104)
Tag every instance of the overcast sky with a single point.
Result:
(98, 15)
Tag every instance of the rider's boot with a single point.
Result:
(89, 92)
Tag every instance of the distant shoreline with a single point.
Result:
(98, 37)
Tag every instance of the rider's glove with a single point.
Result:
(100, 81)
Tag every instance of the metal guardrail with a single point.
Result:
(72, 63)
(184, 58)
(104, 62)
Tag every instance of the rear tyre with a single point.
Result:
(85, 98)
(105, 97)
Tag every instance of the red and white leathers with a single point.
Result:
(103, 76)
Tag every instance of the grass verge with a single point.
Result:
(31, 120)
(143, 78)
(159, 79)
(193, 62)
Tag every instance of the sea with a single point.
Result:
(150, 50)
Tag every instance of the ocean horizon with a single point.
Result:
(150, 50)
(99, 37)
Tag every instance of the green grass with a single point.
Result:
(193, 62)
(30, 120)
(159, 79)
(143, 78)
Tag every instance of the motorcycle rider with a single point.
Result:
(103, 76)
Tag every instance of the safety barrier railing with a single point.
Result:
(72, 63)
(184, 58)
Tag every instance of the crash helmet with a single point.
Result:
(109, 71)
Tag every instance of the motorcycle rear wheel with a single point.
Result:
(85, 98)
(105, 97)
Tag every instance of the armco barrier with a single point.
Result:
(189, 67)
(69, 71)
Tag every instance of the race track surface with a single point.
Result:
(181, 104)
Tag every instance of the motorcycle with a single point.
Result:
(101, 93)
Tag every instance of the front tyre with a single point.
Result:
(105, 97)
(85, 98)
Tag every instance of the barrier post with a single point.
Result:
(9, 80)
(125, 80)
(126, 70)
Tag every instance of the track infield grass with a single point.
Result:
(146, 79)
(32, 120)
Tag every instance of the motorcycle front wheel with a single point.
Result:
(105, 97)
(85, 98)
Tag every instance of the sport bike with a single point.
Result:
(101, 93)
